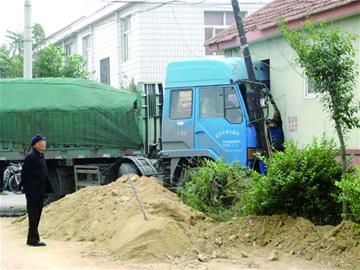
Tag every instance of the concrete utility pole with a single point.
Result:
(27, 68)
(255, 96)
(243, 40)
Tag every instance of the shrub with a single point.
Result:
(214, 188)
(299, 182)
(350, 187)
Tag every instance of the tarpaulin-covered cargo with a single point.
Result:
(70, 112)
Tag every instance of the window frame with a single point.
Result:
(70, 46)
(126, 21)
(86, 51)
(233, 108)
(308, 95)
(192, 103)
(108, 81)
(224, 107)
(222, 27)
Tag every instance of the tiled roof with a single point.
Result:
(268, 16)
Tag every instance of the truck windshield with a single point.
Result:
(220, 102)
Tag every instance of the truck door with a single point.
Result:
(220, 125)
(178, 123)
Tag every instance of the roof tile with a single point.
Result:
(269, 15)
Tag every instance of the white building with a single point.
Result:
(127, 41)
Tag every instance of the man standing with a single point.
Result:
(35, 184)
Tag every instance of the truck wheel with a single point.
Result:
(127, 168)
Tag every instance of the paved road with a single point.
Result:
(12, 204)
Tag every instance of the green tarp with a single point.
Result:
(71, 112)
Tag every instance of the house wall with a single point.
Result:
(158, 35)
(179, 32)
(303, 117)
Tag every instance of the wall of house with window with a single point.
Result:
(302, 113)
(135, 42)
(171, 32)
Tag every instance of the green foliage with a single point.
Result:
(328, 59)
(215, 188)
(16, 42)
(53, 62)
(38, 36)
(48, 62)
(16, 39)
(350, 187)
(16, 69)
(74, 67)
(5, 62)
(299, 182)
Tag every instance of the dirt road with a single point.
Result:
(79, 255)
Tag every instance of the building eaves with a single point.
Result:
(293, 10)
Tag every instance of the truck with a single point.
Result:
(96, 133)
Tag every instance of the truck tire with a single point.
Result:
(127, 168)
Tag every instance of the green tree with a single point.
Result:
(328, 59)
(16, 42)
(16, 39)
(38, 36)
(5, 62)
(10, 66)
(74, 67)
(51, 61)
(17, 63)
(48, 62)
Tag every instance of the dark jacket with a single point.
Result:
(34, 175)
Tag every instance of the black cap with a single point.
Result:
(37, 138)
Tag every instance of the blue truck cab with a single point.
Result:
(206, 112)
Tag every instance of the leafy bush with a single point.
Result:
(300, 182)
(214, 188)
(350, 187)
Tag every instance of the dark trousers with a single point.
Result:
(34, 206)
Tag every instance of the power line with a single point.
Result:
(181, 34)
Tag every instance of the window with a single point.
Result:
(105, 70)
(126, 32)
(68, 49)
(181, 104)
(86, 50)
(216, 22)
(220, 102)
(309, 90)
(211, 102)
(233, 111)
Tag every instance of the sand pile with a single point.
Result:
(109, 215)
(296, 236)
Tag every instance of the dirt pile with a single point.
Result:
(109, 216)
(295, 236)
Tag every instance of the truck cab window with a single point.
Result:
(211, 103)
(220, 102)
(181, 104)
(233, 111)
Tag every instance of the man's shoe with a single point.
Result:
(37, 244)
